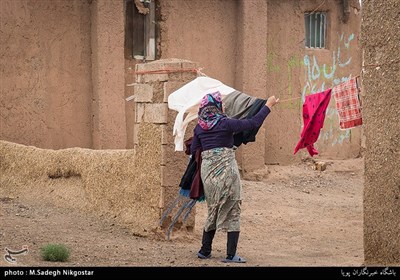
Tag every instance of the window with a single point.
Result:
(315, 25)
(140, 40)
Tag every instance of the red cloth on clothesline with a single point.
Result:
(348, 104)
(314, 109)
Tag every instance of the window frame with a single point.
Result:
(140, 31)
(315, 34)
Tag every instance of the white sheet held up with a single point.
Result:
(187, 100)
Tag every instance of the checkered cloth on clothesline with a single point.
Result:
(348, 105)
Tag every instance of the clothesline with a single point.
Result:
(166, 71)
(289, 99)
(295, 98)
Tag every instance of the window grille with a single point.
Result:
(315, 27)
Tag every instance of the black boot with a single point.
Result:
(205, 251)
(233, 238)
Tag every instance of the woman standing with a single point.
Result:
(219, 171)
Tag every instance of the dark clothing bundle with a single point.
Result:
(247, 136)
(191, 184)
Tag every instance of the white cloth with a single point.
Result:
(187, 100)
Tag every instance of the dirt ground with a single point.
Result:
(295, 216)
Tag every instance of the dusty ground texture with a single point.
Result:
(296, 216)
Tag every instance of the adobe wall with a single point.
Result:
(62, 73)
(108, 75)
(45, 64)
(381, 75)
(202, 31)
(250, 76)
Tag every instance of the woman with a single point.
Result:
(219, 171)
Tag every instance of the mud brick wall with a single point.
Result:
(154, 122)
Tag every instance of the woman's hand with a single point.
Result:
(271, 101)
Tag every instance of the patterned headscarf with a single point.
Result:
(210, 111)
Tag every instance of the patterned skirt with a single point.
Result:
(222, 189)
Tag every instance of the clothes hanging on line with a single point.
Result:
(314, 109)
(348, 105)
